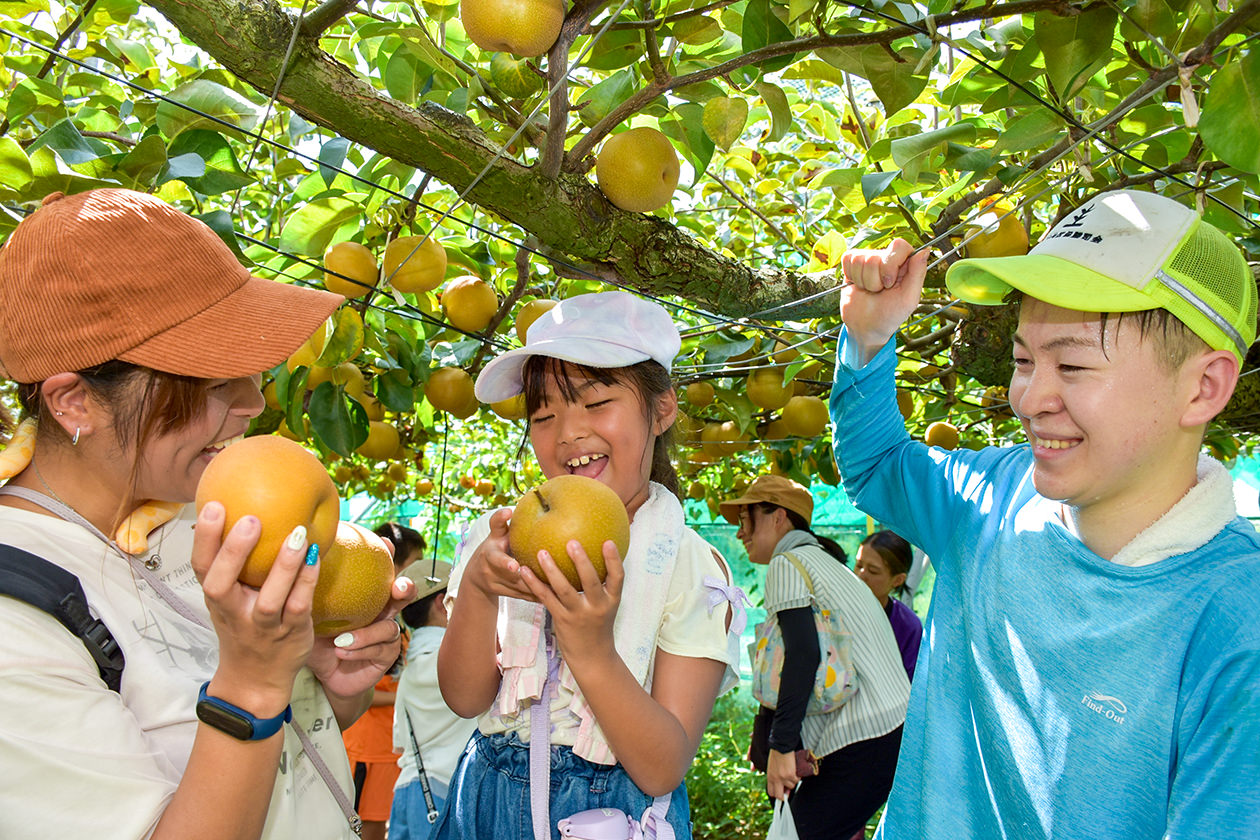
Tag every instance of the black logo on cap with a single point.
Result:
(1076, 220)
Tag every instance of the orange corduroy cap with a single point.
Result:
(775, 490)
(118, 274)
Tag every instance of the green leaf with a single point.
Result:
(206, 105)
(15, 166)
(906, 149)
(1154, 18)
(724, 119)
(135, 56)
(874, 183)
(222, 173)
(1034, 129)
(35, 97)
(892, 79)
(346, 341)
(186, 166)
(145, 161)
(1075, 47)
(599, 100)
(697, 30)
(295, 411)
(685, 124)
(313, 227)
(406, 74)
(333, 419)
(416, 40)
(220, 221)
(723, 344)
(780, 111)
(394, 390)
(616, 49)
(762, 28)
(64, 139)
(1230, 123)
(332, 157)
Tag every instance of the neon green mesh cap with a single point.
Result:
(1125, 251)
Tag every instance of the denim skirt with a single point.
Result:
(489, 794)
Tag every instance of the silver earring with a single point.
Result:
(75, 440)
(59, 413)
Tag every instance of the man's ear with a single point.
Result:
(666, 411)
(1210, 379)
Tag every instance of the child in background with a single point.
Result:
(1095, 622)
(642, 657)
(883, 561)
(369, 742)
(428, 736)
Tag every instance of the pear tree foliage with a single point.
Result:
(804, 127)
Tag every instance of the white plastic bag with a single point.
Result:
(782, 827)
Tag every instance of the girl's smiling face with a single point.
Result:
(602, 431)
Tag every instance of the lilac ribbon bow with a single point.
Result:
(722, 592)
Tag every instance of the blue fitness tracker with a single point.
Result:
(235, 721)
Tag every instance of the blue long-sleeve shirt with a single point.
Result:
(1057, 695)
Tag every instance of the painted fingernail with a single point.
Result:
(297, 538)
(312, 555)
(344, 640)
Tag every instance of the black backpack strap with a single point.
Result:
(57, 592)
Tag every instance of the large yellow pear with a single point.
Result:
(805, 417)
(382, 441)
(942, 434)
(349, 269)
(414, 263)
(469, 303)
(638, 169)
(355, 578)
(278, 481)
(564, 508)
(529, 313)
(765, 388)
(996, 232)
(524, 28)
(450, 389)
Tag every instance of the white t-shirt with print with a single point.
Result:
(80, 760)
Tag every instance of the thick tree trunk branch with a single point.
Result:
(569, 213)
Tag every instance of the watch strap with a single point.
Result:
(258, 728)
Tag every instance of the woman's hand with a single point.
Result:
(583, 621)
(350, 664)
(781, 775)
(265, 635)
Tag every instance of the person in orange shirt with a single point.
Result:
(370, 741)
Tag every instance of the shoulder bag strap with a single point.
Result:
(800, 567)
(54, 590)
(424, 777)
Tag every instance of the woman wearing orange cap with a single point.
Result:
(136, 340)
(856, 744)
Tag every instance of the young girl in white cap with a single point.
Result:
(629, 669)
(136, 339)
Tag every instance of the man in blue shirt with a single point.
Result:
(1092, 660)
